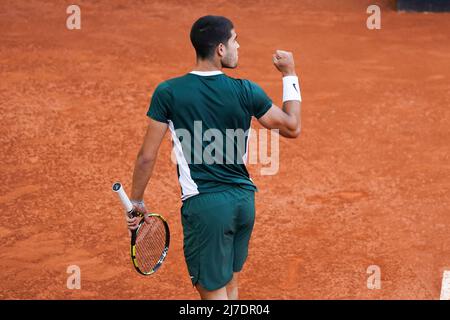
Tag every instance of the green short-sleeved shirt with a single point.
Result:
(209, 116)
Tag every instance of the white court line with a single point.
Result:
(445, 289)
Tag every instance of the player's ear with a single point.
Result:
(221, 49)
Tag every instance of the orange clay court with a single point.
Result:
(366, 183)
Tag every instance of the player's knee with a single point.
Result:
(219, 294)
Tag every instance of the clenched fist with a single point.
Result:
(284, 62)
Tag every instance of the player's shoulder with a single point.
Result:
(176, 81)
(244, 83)
(171, 83)
(236, 80)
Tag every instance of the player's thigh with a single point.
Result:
(244, 227)
(208, 226)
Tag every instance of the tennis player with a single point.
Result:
(218, 197)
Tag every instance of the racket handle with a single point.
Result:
(127, 205)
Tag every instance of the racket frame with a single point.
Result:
(131, 212)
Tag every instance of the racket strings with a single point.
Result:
(149, 248)
(150, 244)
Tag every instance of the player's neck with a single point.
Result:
(208, 65)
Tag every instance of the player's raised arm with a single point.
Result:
(286, 119)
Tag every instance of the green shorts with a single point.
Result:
(217, 227)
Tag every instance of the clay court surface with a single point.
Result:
(366, 183)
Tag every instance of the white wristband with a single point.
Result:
(291, 89)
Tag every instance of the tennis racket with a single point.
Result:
(150, 241)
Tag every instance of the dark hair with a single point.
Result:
(208, 32)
